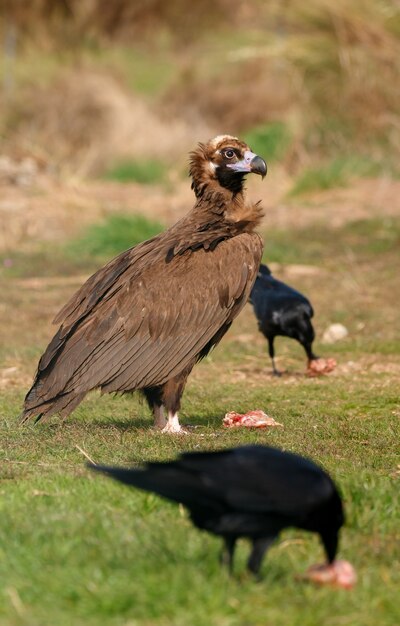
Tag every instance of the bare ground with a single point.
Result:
(53, 210)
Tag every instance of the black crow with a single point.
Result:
(253, 491)
(281, 310)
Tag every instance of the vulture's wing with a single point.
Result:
(148, 322)
(106, 282)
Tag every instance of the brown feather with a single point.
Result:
(147, 316)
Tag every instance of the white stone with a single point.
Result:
(334, 332)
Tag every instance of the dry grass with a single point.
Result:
(329, 73)
(85, 120)
(51, 211)
(71, 20)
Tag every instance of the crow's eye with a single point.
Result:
(229, 154)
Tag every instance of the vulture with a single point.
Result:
(143, 320)
(251, 491)
(281, 310)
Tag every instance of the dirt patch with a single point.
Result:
(14, 378)
(364, 199)
(54, 211)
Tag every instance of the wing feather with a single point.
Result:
(131, 327)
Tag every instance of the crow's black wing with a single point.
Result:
(169, 481)
(251, 479)
(262, 479)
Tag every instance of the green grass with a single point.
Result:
(269, 140)
(145, 172)
(46, 260)
(77, 548)
(312, 245)
(80, 547)
(316, 244)
(146, 71)
(336, 173)
(84, 254)
(116, 233)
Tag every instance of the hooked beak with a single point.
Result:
(250, 163)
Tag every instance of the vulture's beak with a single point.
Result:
(250, 163)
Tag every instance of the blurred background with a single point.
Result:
(101, 102)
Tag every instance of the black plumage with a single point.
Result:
(281, 310)
(252, 491)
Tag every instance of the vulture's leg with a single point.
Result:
(228, 552)
(171, 399)
(260, 546)
(153, 396)
(160, 421)
(271, 351)
(173, 425)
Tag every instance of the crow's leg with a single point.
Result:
(228, 552)
(271, 351)
(308, 350)
(307, 337)
(260, 546)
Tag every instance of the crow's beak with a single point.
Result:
(250, 163)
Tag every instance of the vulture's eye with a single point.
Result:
(229, 154)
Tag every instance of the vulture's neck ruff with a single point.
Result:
(218, 169)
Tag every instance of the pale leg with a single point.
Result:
(159, 417)
(173, 425)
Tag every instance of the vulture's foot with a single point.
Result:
(173, 426)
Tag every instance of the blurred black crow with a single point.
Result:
(281, 310)
(252, 491)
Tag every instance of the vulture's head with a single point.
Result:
(225, 160)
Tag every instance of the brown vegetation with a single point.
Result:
(329, 72)
(85, 119)
(68, 21)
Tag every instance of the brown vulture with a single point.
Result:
(143, 320)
